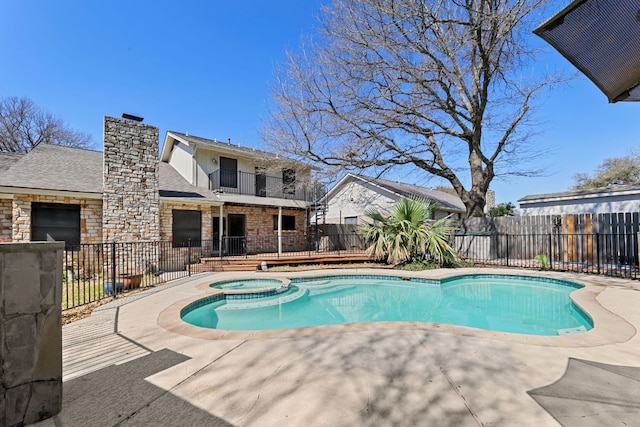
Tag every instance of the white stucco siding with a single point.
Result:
(206, 162)
(181, 160)
(354, 199)
(630, 203)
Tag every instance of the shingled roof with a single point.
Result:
(589, 193)
(246, 152)
(54, 167)
(444, 200)
(8, 159)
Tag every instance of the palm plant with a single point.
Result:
(409, 233)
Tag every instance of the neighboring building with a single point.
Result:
(200, 190)
(619, 198)
(354, 195)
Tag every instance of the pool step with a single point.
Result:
(242, 304)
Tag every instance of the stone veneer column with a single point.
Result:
(30, 332)
(131, 207)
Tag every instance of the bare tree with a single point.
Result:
(23, 126)
(441, 85)
(613, 171)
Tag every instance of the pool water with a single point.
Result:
(520, 304)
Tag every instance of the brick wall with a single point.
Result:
(259, 228)
(258, 222)
(90, 216)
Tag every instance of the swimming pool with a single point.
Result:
(520, 304)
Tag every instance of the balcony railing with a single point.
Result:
(261, 185)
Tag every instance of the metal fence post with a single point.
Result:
(113, 269)
(189, 256)
(598, 250)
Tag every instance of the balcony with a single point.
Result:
(260, 185)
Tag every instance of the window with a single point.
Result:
(351, 220)
(288, 181)
(228, 172)
(288, 222)
(261, 182)
(186, 225)
(55, 221)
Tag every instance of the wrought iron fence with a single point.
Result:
(287, 245)
(96, 271)
(614, 254)
(261, 185)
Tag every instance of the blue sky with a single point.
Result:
(204, 67)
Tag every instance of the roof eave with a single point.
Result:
(50, 192)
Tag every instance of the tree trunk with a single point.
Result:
(474, 200)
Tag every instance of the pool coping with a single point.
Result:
(609, 328)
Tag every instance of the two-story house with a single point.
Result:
(199, 192)
(261, 199)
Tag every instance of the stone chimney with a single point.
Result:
(130, 200)
(490, 200)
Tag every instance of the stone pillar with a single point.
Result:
(131, 202)
(490, 200)
(30, 331)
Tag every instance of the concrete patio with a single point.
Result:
(121, 367)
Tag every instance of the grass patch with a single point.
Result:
(80, 292)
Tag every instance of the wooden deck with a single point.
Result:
(254, 261)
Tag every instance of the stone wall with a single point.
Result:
(131, 204)
(30, 331)
(90, 216)
(6, 220)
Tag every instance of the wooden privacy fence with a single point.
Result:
(595, 243)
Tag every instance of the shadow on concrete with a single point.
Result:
(592, 393)
(373, 378)
(120, 395)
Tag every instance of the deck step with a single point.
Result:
(202, 268)
(252, 262)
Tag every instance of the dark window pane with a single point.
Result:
(228, 172)
(55, 221)
(186, 225)
(288, 222)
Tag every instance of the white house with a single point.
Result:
(619, 198)
(354, 195)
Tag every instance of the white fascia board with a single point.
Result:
(574, 198)
(191, 201)
(10, 191)
(262, 201)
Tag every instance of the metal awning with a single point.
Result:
(602, 39)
